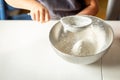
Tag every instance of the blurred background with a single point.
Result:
(9, 13)
(102, 8)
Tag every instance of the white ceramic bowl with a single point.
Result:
(57, 31)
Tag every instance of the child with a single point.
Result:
(44, 10)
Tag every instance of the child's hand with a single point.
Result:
(40, 13)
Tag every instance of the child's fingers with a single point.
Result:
(37, 16)
(42, 15)
(47, 16)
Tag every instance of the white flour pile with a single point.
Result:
(86, 42)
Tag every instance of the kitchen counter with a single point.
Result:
(26, 54)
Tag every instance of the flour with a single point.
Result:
(89, 41)
(83, 47)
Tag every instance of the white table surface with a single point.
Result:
(111, 61)
(26, 54)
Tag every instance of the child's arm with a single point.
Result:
(37, 11)
(91, 9)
